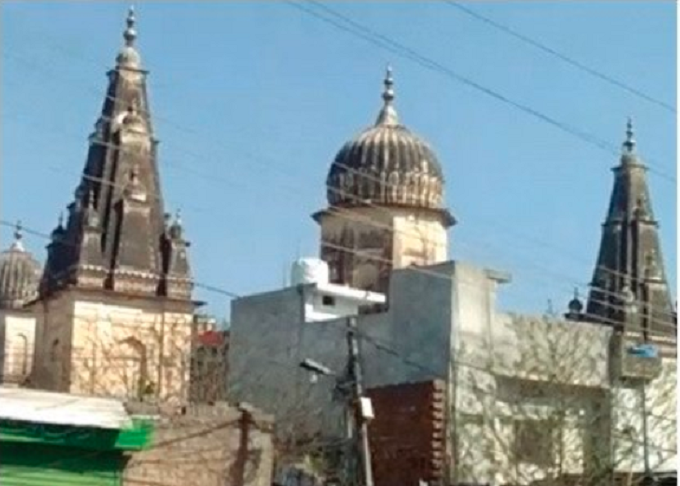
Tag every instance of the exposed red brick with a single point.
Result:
(406, 436)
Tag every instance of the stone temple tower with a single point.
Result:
(385, 192)
(115, 300)
(630, 268)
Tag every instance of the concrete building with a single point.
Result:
(19, 278)
(115, 309)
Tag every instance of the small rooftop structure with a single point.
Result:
(327, 301)
(324, 300)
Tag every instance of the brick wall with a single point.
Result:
(407, 435)
(204, 445)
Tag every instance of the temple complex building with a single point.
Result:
(115, 309)
(386, 209)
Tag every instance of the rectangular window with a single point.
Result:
(328, 301)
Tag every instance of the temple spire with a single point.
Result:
(388, 115)
(114, 238)
(629, 269)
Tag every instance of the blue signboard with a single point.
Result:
(643, 351)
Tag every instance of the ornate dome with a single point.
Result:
(19, 274)
(387, 164)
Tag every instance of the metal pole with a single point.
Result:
(360, 441)
(648, 479)
(645, 444)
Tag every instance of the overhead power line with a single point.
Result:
(268, 165)
(345, 23)
(563, 57)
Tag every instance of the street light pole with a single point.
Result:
(360, 442)
(350, 386)
(649, 479)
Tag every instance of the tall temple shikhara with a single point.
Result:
(630, 269)
(385, 192)
(116, 291)
(117, 236)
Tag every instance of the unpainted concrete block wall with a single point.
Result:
(206, 445)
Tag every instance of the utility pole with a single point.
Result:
(649, 478)
(349, 385)
(360, 440)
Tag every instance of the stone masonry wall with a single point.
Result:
(204, 445)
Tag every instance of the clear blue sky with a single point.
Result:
(252, 101)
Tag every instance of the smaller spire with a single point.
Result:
(91, 216)
(388, 115)
(629, 144)
(176, 229)
(59, 230)
(550, 310)
(575, 304)
(18, 236)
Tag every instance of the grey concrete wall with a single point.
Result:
(410, 342)
(265, 350)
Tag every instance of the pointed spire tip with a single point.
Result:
(388, 115)
(18, 230)
(18, 236)
(629, 144)
(130, 33)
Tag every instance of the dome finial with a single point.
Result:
(575, 305)
(130, 33)
(128, 56)
(629, 144)
(388, 115)
(18, 231)
(388, 93)
(18, 236)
